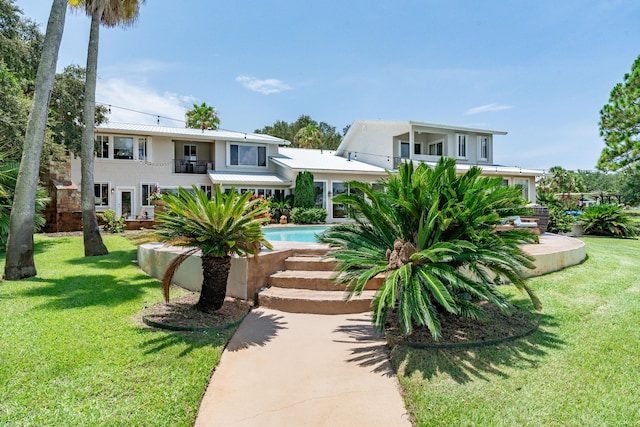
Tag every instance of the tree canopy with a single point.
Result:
(620, 123)
(322, 135)
(203, 117)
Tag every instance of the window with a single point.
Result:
(207, 189)
(102, 146)
(462, 146)
(417, 148)
(483, 147)
(404, 150)
(247, 155)
(435, 148)
(146, 191)
(142, 149)
(101, 191)
(523, 184)
(123, 147)
(319, 190)
(190, 152)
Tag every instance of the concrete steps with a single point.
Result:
(306, 286)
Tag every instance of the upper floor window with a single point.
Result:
(101, 192)
(190, 151)
(435, 148)
(142, 149)
(462, 146)
(247, 155)
(123, 147)
(102, 146)
(483, 147)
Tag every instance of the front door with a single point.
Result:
(124, 204)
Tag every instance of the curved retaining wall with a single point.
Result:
(248, 275)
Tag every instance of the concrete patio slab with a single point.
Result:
(291, 369)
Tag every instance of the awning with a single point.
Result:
(257, 179)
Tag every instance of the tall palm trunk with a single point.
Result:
(93, 244)
(19, 261)
(214, 285)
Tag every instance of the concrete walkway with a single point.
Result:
(290, 369)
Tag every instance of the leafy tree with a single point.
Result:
(308, 137)
(20, 45)
(433, 234)
(629, 181)
(202, 117)
(327, 137)
(14, 110)
(598, 181)
(66, 120)
(19, 261)
(109, 13)
(229, 223)
(620, 123)
(304, 194)
(562, 181)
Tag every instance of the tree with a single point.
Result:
(620, 123)
(229, 223)
(562, 181)
(308, 137)
(329, 139)
(432, 233)
(202, 117)
(19, 261)
(66, 122)
(14, 111)
(109, 13)
(304, 194)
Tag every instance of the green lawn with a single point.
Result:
(73, 353)
(582, 368)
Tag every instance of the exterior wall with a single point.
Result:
(373, 142)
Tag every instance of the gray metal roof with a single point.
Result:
(321, 160)
(196, 134)
(246, 178)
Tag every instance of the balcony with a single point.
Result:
(191, 166)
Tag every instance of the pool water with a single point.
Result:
(304, 234)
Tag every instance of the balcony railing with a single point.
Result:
(191, 166)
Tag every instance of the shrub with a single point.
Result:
(304, 196)
(308, 216)
(111, 222)
(559, 220)
(608, 220)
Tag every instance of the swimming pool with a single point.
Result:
(303, 233)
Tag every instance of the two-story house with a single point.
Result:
(134, 160)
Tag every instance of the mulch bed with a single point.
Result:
(459, 331)
(179, 314)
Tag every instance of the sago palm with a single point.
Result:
(432, 234)
(229, 223)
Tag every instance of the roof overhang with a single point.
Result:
(257, 179)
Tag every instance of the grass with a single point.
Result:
(74, 353)
(582, 368)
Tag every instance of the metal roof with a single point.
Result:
(321, 160)
(195, 134)
(246, 178)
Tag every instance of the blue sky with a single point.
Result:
(540, 70)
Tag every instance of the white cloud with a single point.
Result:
(265, 87)
(487, 108)
(130, 100)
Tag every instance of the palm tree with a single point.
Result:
(19, 261)
(229, 223)
(432, 233)
(109, 13)
(308, 137)
(202, 117)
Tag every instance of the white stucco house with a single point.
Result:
(132, 160)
